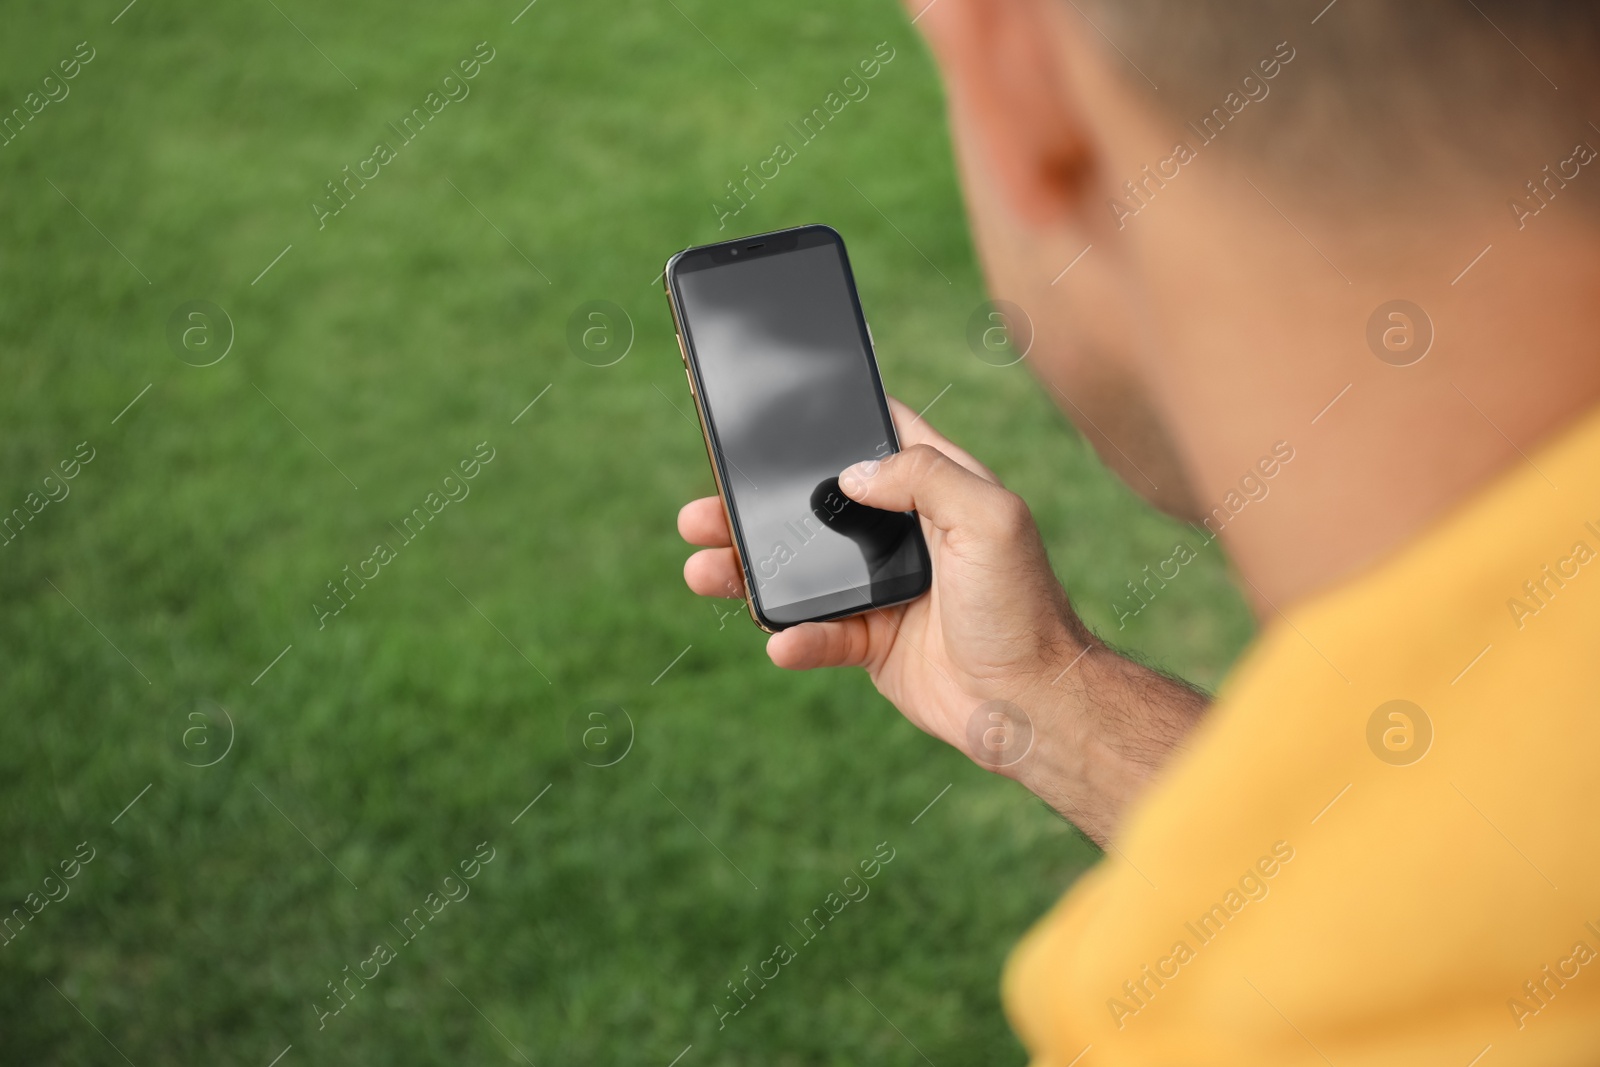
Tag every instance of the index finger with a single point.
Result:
(914, 430)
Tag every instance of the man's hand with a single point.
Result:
(994, 636)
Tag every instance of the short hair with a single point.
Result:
(1496, 87)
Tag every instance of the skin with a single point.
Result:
(1184, 346)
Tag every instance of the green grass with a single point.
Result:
(409, 730)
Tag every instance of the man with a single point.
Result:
(1352, 249)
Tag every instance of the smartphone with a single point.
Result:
(781, 369)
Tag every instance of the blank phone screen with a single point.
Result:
(791, 394)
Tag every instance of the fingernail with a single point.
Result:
(853, 480)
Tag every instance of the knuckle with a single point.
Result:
(1010, 513)
(921, 460)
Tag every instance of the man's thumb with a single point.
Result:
(920, 479)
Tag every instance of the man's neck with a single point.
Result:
(1382, 452)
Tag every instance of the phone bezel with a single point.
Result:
(756, 246)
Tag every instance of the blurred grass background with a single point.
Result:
(409, 730)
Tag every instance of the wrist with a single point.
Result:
(1101, 727)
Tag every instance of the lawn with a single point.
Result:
(273, 779)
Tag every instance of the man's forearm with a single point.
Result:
(1103, 727)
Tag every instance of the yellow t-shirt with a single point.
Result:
(1326, 877)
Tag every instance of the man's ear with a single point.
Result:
(1004, 79)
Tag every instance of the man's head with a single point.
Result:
(1202, 203)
